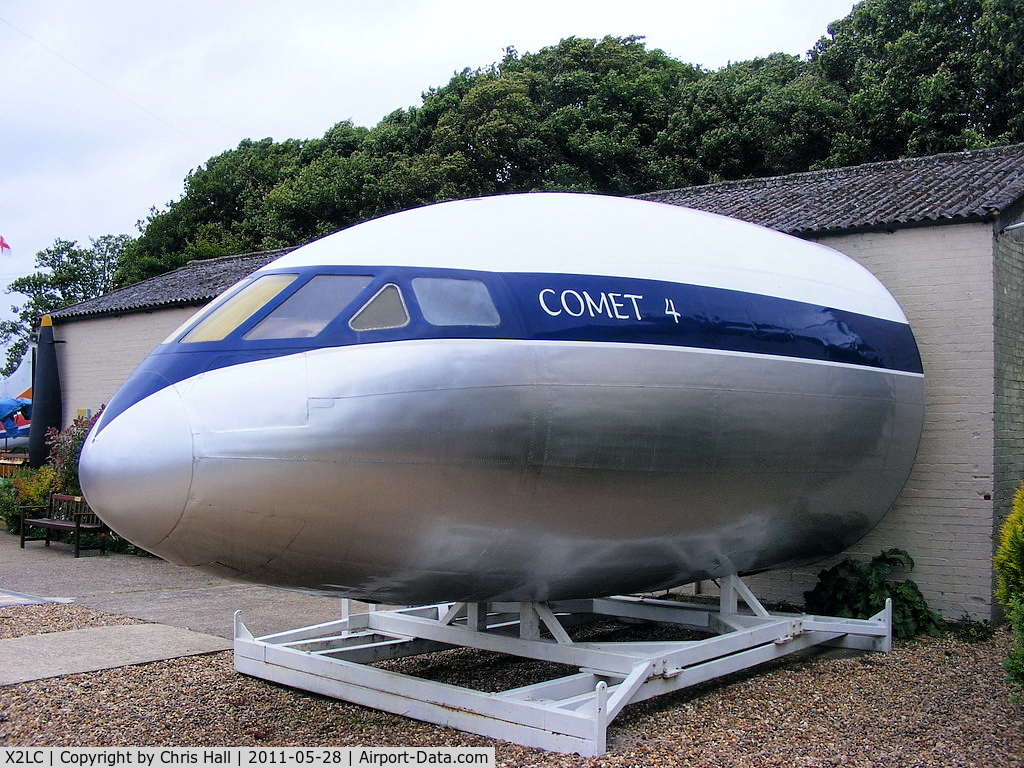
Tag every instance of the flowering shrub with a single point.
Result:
(65, 449)
(32, 487)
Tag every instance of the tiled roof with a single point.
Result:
(194, 284)
(960, 186)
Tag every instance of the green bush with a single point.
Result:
(65, 450)
(1014, 663)
(1009, 557)
(859, 590)
(32, 487)
(9, 508)
(1009, 567)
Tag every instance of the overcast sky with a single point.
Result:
(106, 105)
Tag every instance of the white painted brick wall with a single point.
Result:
(99, 354)
(942, 276)
(1009, 373)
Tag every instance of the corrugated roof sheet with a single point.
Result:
(194, 284)
(949, 187)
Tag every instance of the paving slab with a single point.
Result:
(8, 598)
(154, 590)
(36, 657)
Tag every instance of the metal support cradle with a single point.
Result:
(567, 714)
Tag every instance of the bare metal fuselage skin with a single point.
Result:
(590, 431)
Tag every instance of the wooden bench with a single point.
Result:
(64, 513)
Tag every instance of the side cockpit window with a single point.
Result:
(385, 310)
(447, 301)
(308, 311)
(227, 315)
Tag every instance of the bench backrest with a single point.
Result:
(65, 507)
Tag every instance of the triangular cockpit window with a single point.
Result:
(385, 310)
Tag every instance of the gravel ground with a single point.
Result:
(928, 703)
(23, 620)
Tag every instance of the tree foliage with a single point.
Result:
(763, 117)
(221, 211)
(926, 76)
(893, 78)
(583, 115)
(65, 274)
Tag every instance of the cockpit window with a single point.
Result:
(307, 311)
(385, 310)
(206, 310)
(447, 301)
(230, 314)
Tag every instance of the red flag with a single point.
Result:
(3, 245)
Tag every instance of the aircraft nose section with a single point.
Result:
(136, 470)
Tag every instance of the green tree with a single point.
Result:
(220, 213)
(603, 107)
(926, 77)
(762, 117)
(65, 274)
(998, 62)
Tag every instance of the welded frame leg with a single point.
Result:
(732, 590)
(476, 616)
(532, 615)
(529, 622)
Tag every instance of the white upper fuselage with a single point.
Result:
(622, 237)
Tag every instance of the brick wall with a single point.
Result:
(1009, 373)
(119, 343)
(943, 278)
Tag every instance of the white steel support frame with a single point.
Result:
(567, 714)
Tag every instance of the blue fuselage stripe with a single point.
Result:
(561, 307)
(588, 308)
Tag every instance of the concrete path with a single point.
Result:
(86, 650)
(190, 612)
